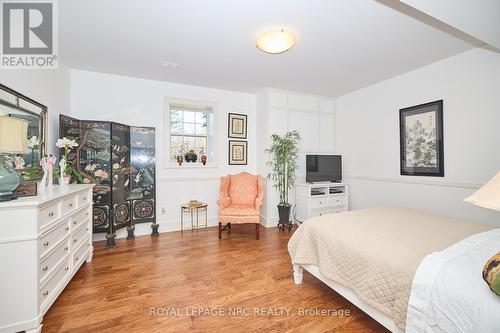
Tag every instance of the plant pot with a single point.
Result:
(284, 214)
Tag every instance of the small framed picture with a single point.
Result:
(26, 189)
(237, 152)
(237, 126)
(421, 140)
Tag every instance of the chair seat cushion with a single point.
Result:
(239, 210)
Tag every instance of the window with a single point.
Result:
(191, 128)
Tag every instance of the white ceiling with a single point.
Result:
(341, 45)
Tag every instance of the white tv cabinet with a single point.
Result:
(316, 199)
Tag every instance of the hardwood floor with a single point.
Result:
(196, 272)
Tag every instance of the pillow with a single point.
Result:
(491, 273)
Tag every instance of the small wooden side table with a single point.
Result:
(192, 211)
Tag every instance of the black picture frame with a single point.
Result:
(233, 157)
(419, 155)
(237, 131)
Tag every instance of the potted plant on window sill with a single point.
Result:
(284, 153)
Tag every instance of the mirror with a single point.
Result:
(14, 104)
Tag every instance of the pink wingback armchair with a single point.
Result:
(240, 198)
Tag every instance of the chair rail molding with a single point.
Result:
(417, 181)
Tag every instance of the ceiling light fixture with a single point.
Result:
(169, 64)
(275, 41)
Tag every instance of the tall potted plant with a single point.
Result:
(284, 153)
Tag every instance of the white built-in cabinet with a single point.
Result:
(279, 111)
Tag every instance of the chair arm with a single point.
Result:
(260, 193)
(223, 202)
(258, 202)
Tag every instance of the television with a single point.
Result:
(323, 168)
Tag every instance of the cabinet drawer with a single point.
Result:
(49, 289)
(319, 202)
(338, 209)
(49, 214)
(80, 218)
(83, 198)
(80, 255)
(54, 258)
(319, 212)
(68, 205)
(338, 200)
(53, 237)
(79, 235)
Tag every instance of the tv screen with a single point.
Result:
(323, 168)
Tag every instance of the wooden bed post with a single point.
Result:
(297, 274)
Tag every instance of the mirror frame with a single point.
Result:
(43, 114)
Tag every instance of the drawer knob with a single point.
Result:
(84, 198)
(74, 240)
(66, 248)
(76, 259)
(45, 293)
(45, 268)
(67, 228)
(71, 205)
(51, 214)
(87, 214)
(74, 222)
(66, 268)
(46, 244)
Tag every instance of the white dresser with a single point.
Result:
(316, 199)
(43, 242)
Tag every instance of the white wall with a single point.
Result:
(48, 87)
(280, 111)
(368, 135)
(133, 101)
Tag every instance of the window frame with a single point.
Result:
(211, 163)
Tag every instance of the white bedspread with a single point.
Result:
(448, 292)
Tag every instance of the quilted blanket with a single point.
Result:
(375, 252)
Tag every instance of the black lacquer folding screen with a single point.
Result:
(120, 160)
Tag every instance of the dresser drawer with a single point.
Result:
(48, 290)
(83, 198)
(49, 214)
(53, 237)
(319, 212)
(80, 218)
(80, 254)
(338, 200)
(69, 205)
(53, 259)
(319, 202)
(338, 209)
(79, 235)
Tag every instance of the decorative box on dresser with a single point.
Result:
(316, 199)
(43, 242)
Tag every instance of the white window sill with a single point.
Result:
(191, 165)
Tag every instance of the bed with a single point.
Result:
(378, 258)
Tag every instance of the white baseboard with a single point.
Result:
(270, 222)
(165, 226)
(169, 226)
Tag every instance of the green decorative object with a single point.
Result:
(284, 153)
(9, 180)
(491, 273)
